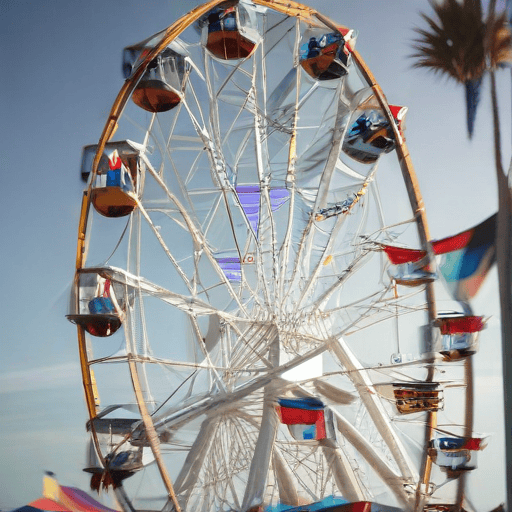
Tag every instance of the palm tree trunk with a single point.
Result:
(504, 258)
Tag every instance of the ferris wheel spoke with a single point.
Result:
(320, 200)
(284, 251)
(197, 238)
(343, 472)
(352, 266)
(218, 169)
(393, 480)
(260, 463)
(286, 482)
(186, 303)
(200, 344)
(301, 248)
(314, 274)
(189, 473)
(166, 153)
(164, 245)
(355, 265)
(364, 386)
(379, 304)
(214, 114)
(217, 144)
(266, 221)
(333, 157)
(246, 345)
(186, 414)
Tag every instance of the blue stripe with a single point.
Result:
(311, 404)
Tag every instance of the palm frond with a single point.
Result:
(455, 43)
(498, 41)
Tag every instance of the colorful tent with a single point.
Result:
(57, 498)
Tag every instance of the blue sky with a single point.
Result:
(61, 62)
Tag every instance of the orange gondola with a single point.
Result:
(228, 38)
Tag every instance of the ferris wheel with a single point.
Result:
(253, 332)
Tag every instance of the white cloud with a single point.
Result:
(43, 377)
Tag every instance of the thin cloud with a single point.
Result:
(43, 377)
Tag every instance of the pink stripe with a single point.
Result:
(84, 501)
(48, 505)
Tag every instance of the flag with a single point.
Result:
(249, 197)
(231, 267)
(465, 259)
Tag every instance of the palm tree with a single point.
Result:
(464, 46)
(455, 47)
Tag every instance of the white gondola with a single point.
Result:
(118, 179)
(418, 397)
(160, 87)
(96, 305)
(456, 454)
(456, 336)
